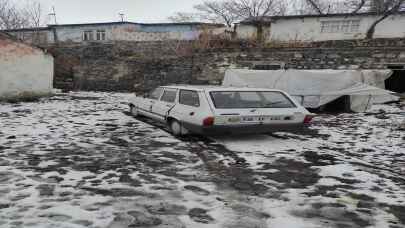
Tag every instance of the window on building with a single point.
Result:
(324, 26)
(355, 27)
(335, 26)
(100, 35)
(345, 26)
(340, 26)
(88, 35)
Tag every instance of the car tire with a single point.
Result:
(133, 110)
(177, 129)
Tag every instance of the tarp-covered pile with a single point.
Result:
(315, 88)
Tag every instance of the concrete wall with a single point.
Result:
(25, 70)
(308, 29)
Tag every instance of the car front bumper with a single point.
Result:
(244, 129)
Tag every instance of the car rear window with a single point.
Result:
(189, 97)
(250, 99)
(169, 96)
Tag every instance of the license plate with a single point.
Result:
(234, 119)
(261, 118)
(254, 118)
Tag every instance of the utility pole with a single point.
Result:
(122, 16)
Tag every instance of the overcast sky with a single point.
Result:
(82, 11)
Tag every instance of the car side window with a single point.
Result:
(169, 96)
(189, 97)
(155, 95)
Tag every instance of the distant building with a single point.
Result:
(309, 28)
(115, 31)
(25, 70)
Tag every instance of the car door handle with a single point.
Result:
(192, 113)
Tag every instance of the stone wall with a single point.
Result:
(140, 66)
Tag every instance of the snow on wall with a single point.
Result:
(24, 70)
(309, 28)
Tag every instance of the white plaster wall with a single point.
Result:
(391, 27)
(24, 70)
(309, 29)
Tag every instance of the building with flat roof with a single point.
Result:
(310, 28)
(115, 31)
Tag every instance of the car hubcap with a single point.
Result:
(134, 111)
(176, 128)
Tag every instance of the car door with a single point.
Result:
(145, 107)
(189, 102)
(166, 102)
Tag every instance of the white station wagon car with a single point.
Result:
(221, 110)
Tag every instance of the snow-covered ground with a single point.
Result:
(79, 160)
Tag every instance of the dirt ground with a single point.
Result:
(80, 160)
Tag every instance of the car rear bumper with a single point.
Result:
(244, 129)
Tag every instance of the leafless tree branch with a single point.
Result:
(315, 5)
(14, 17)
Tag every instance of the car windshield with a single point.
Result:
(250, 99)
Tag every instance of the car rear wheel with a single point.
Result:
(177, 129)
(133, 110)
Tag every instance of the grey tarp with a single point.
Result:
(315, 88)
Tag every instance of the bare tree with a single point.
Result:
(336, 6)
(257, 8)
(258, 11)
(231, 11)
(218, 12)
(34, 14)
(316, 5)
(184, 17)
(357, 5)
(15, 17)
(10, 16)
(384, 8)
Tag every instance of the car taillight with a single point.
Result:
(308, 119)
(209, 121)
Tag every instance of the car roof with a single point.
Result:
(210, 88)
